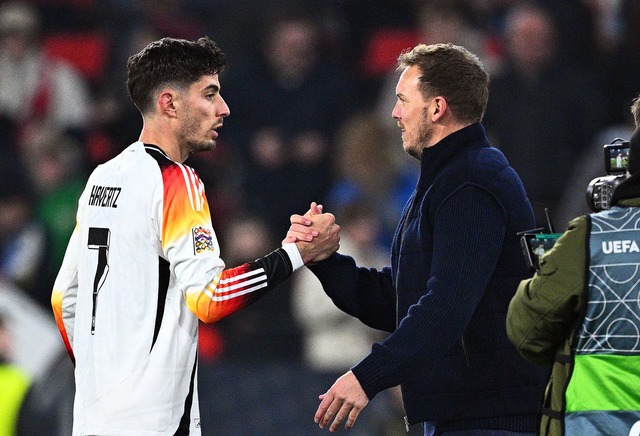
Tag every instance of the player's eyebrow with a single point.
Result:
(212, 87)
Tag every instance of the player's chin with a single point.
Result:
(203, 146)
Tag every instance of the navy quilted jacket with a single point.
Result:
(456, 263)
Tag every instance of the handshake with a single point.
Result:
(315, 233)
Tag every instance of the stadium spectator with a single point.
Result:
(290, 99)
(23, 243)
(15, 383)
(35, 88)
(543, 111)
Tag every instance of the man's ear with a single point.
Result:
(166, 101)
(438, 108)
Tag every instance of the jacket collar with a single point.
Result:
(436, 157)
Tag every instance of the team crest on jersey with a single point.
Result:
(202, 239)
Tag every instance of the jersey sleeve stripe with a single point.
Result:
(241, 284)
(259, 271)
(235, 288)
(198, 188)
(201, 190)
(238, 284)
(187, 183)
(216, 297)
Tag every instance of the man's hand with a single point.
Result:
(345, 400)
(301, 229)
(316, 234)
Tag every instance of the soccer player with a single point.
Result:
(143, 264)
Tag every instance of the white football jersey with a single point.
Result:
(142, 266)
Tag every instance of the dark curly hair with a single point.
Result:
(170, 61)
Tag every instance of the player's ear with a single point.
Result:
(166, 103)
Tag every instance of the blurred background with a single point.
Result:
(311, 86)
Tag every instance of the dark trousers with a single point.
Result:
(429, 430)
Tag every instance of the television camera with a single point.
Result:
(536, 242)
(600, 189)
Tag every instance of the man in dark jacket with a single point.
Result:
(456, 263)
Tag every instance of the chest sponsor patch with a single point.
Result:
(202, 239)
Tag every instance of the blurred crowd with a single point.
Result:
(311, 88)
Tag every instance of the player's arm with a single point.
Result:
(65, 292)
(235, 288)
(189, 243)
(223, 291)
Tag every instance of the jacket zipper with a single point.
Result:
(464, 351)
(401, 239)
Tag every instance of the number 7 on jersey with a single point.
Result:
(99, 240)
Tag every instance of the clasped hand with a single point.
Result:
(315, 233)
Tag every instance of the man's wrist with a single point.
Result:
(294, 255)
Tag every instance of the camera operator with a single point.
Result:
(580, 312)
